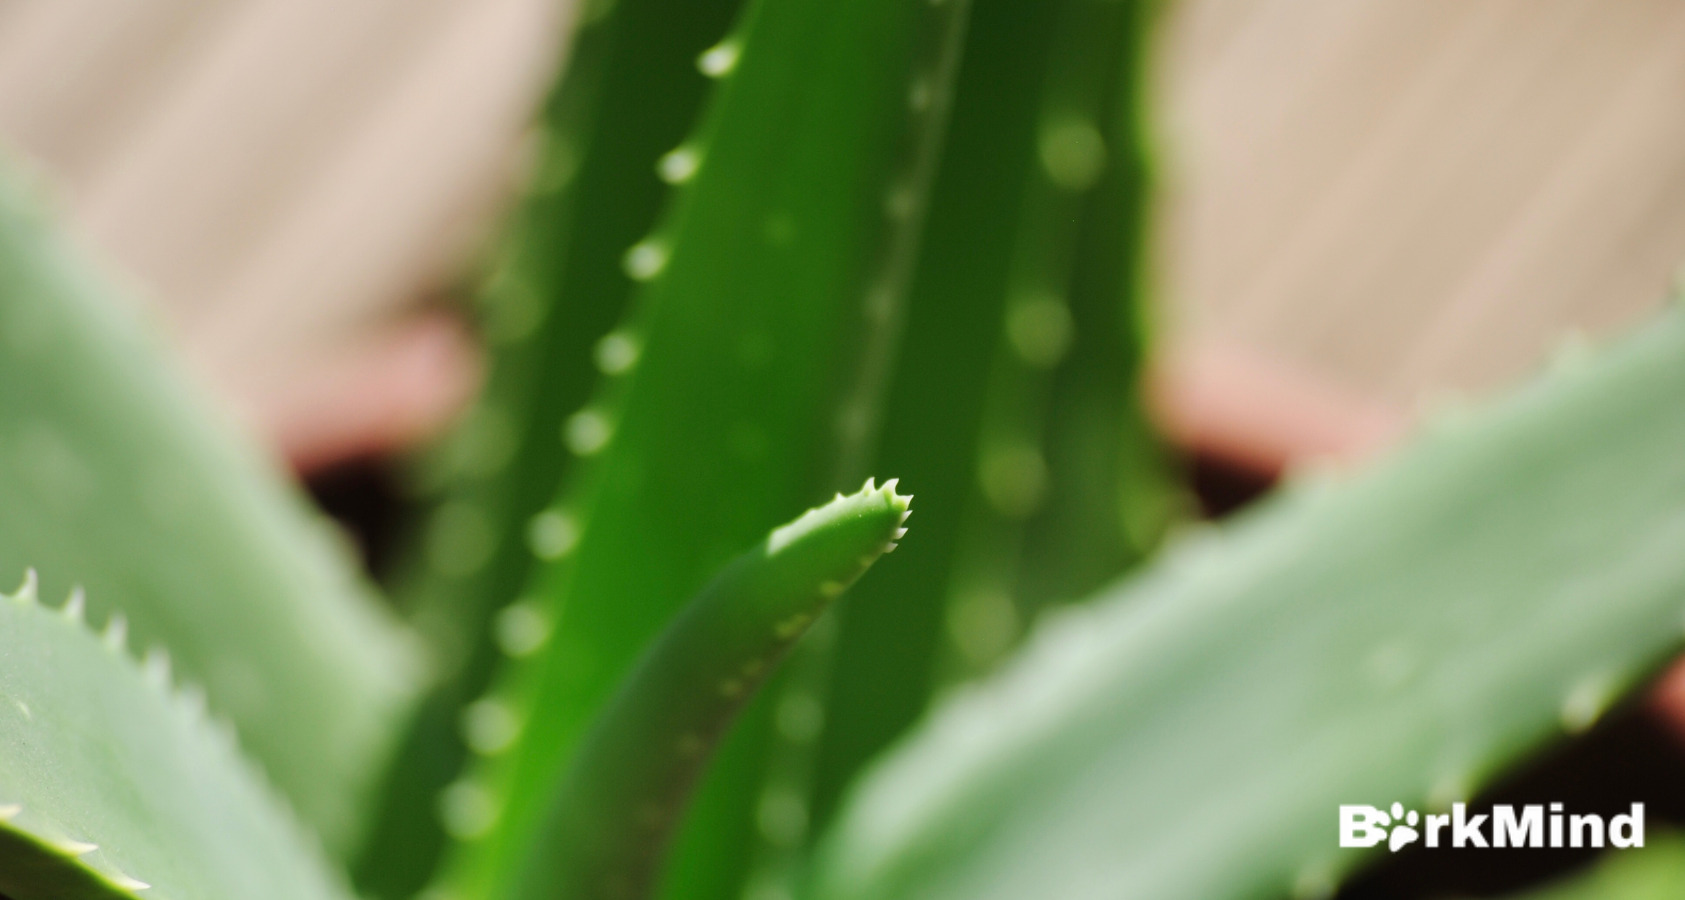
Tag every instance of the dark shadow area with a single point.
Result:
(1221, 487)
(366, 497)
(1629, 758)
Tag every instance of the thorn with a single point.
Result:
(156, 668)
(75, 608)
(116, 636)
(128, 882)
(1446, 790)
(900, 533)
(1584, 705)
(77, 848)
(889, 486)
(718, 60)
(25, 594)
(871, 485)
(10, 811)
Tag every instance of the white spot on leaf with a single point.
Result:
(718, 61)
(466, 810)
(552, 534)
(678, 165)
(587, 432)
(617, 352)
(1039, 329)
(645, 259)
(522, 628)
(1073, 154)
(489, 726)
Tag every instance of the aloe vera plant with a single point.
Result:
(769, 249)
(990, 347)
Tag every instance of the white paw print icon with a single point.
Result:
(1404, 832)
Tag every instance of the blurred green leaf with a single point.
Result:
(1012, 405)
(607, 828)
(1397, 636)
(548, 309)
(113, 784)
(114, 477)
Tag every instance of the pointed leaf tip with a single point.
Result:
(689, 685)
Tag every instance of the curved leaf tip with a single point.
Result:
(613, 814)
(870, 504)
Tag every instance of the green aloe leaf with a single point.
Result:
(608, 826)
(889, 635)
(1397, 636)
(1111, 491)
(749, 823)
(113, 474)
(549, 308)
(113, 784)
(1012, 405)
(553, 299)
(754, 299)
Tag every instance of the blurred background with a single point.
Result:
(1366, 209)
(1366, 206)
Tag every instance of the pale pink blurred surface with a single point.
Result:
(1388, 197)
(287, 182)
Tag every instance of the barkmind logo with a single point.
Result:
(1531, 826)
